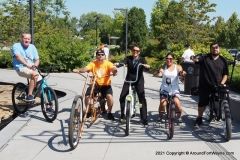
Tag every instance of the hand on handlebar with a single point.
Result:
(146, 66)
(75, 71)
(182, 73)
(118, 64)
(33, 67)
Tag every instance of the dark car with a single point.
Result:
(235, 52)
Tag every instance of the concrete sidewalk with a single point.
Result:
(30, 137)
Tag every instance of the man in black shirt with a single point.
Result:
(213, 71)
(132, 63)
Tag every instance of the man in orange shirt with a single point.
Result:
(103, 69)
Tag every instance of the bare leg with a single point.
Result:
(109, 102)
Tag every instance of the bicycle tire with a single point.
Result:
(227, 120)
(171, 118)
(49, 104)
(209, 111)
(128, 116)
(19, 93)
(75, 122)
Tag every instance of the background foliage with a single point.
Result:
(69, 42)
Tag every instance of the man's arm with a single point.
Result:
(81, 70)
(224, 80)
(36, 63)
(22, 60)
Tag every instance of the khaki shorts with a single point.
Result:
(26, 72)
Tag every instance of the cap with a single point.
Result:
(100, 51)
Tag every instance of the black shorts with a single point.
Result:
(204, 97)
(104, 90)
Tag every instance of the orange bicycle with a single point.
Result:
(80, 115)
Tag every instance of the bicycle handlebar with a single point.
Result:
(140, 64)
(39, 71)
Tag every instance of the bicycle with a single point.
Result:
(219, 109)
(131, 102)
(78, 116)
(170, 111)
(49, 100)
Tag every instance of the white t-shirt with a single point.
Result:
(187, 54)
(106, 51)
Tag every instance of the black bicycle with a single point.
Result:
(49, 100)
(170, 113)
(219, 109)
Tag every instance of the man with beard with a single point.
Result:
(213, 71)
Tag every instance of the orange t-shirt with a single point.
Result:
(103, 70)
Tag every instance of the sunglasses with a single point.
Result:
(134, 50)
(100, 54)
(215, 47)
(170, 59)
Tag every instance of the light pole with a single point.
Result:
(31, 23)
(126, 27)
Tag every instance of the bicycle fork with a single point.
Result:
(129, 99)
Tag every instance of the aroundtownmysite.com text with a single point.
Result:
(192, 153)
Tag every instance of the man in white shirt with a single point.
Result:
(106, 51)
(186, 57)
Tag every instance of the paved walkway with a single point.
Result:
(30, 137)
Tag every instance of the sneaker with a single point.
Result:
(110, 116)
(50, 109)
(122, 118)
(198, 121)
(179, 120)
(29, 98)
(145, 122)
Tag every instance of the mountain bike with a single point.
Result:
(49, 100)
(80, 115)
(219, 109)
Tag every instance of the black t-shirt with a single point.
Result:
(132, 67)
(212, 71)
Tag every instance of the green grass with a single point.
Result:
(235, 84)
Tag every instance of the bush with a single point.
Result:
(235, 84)
(5, 59)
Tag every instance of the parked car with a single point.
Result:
(235, 52)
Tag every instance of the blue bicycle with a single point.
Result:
(49, 100)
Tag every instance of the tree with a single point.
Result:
(157, 15)
(137, 27)
(218, 31)
(232, 32)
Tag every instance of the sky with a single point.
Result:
(224, 8)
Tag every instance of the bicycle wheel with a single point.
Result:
(19, 94)
(49, 104)
(171, 118)
(209, 111)
(128, 116)
(226, 117)
(75, 121)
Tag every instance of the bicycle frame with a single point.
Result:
(219, 95)
(41, 86)
(222, 112)
(170, 111)
(131, 97)
(93, 99)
